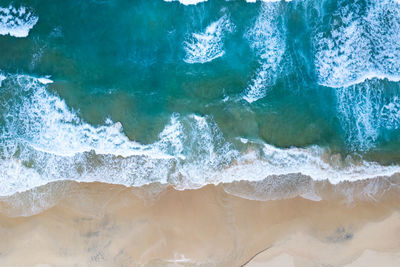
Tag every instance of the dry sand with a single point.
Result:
(94, 224)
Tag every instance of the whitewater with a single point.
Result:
(187, 83)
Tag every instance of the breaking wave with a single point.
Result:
(268, 40)
(366, 109)
(208, 45)
(360, 44)
(44, 141)
(358, 55)
(16, 22)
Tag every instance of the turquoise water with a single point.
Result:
(135, 92)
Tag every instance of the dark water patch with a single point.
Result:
(341, 234)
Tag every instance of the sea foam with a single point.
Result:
(195, 2)
(187, 2)
(360, 45)
(366, 109)
(268, 41)
(43, 140)
(357, 56)
(2, 78)
(208, 45)
(16, 22)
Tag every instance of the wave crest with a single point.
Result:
(16, 22)
(359, 44)
(206, 46)
(268, 40)
(45, 141)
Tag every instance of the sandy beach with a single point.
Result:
(111, 225)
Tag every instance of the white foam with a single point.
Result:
(365, 110)
(187, 2)
(390, 113)
(360, 45)
(195, 2)
(2, 78)
(208, 45)
(16, 22)
(258, 86)
(314, 162)
(44, 80)
(365, 77)
(270, 1)
(268, 41)
(243, 140)
(44, 141)
(360, 49)
(358, 112)
(42, 132)
(50, 126)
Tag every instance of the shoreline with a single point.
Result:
(275, 187)
(103, 224)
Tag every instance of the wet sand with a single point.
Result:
(95, 224)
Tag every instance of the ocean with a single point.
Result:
(190, 93)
